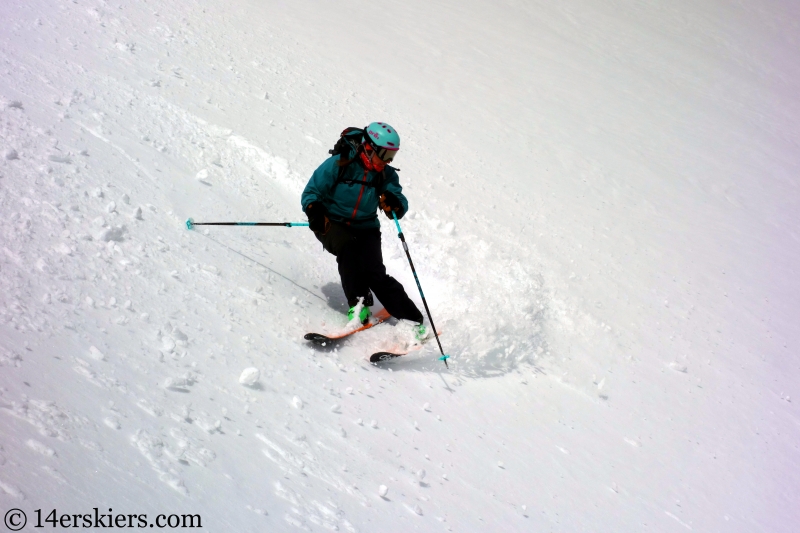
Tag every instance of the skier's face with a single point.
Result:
(379, 158)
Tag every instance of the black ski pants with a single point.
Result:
(358, 254)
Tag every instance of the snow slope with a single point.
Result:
(604, 218)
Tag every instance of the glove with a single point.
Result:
(318, 218)
(389, 202)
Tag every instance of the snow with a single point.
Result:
(604, 218)
(249, 376)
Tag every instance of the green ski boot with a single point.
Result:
(421, 333)
(363, 314)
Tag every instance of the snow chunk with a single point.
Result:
(202, 177)
(117, 234)
(178, 335)
(179, 384)
(55, 474)
(249, 377)
(200, 456)
(167, 345)
(383, 490)
(126, 47)
(11, 154)
(633, 442)
(149, 407)
(678, 367)
(96, 354)
(210, 269)
(63, 249)
(38, 447)
(60, 158)
(11, 490)
(209, 426)
(297, 402)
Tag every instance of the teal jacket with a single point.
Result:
(352, 201)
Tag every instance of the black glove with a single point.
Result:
(389, 202)
(318, 218)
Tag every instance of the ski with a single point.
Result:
(380, 357)
(323, 340)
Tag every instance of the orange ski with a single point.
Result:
(318, 338)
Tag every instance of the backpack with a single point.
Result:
(348, 143)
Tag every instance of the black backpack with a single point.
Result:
(348, 143)
(346, 148)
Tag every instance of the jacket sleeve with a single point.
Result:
(319, 186)
(393, 186)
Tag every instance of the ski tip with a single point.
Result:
(380, 357)
(316, 338)
(189, 223)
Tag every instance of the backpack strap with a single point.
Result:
(378, 183)
(347, 144)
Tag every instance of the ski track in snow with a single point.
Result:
(147, 364)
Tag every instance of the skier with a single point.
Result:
(341, 201)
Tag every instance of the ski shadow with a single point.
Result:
(334, 297)
(430, 363)
(260, 263)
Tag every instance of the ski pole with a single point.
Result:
(402, 237)
(191, 224)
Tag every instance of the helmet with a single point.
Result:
(383, 137)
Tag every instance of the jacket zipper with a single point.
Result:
(360, 194)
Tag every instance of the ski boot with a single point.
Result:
(413, 333)
(363, 313)
(421, 333)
